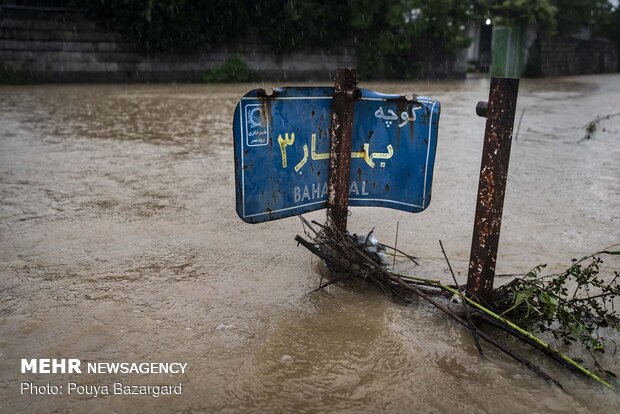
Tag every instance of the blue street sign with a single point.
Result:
(282, 148)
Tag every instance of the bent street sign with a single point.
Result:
(282, 144)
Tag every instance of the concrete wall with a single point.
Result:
(573, 56)
(61, 45)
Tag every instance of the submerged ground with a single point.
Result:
(119, 241)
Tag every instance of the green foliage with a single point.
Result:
(8, 77)
(519, 12)
(175, 25)
(233, 69)
(563, 17)
(395, 37)
(297, 24)
(392, 37)
(572, 305)
(609, 27)
(178, 25)
(572, 15)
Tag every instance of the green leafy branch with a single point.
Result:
(572, 305)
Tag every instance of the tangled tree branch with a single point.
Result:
(532, 301)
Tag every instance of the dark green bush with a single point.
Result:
(299, 24)
(396, 38)
(233, 69)
(174, 25)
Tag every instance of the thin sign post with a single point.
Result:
(500, 114)
(341, 130)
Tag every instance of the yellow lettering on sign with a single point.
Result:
(304, 159)
(368, 158)
(383, 155)
(364, 154)
(284, 142)
(316, 155)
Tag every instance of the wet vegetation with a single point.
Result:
(391, 38)
(591, 127)
(233, 69)
(575, 305)
(9, 77)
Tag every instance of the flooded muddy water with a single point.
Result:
(119, 242)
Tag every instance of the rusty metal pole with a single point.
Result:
(500, 114)
(341, 130)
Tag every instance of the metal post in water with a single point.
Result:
(341, 130)
(500, 114)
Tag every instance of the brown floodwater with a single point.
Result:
(119, 241)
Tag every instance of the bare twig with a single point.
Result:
(347, 259)
(395, 244)
(592, 126)
(601, 118)
(408, 256)
(519, 125)
(472, 327)
(534, 368)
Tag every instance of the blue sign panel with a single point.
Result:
(282, 145)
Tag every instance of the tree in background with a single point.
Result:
(289, 25)
(573, 15)
(174, 25)
(392, 38)
(520, 12)
(611, 29)
(555, 17)
(185, 25)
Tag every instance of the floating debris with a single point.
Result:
(286, 360)
(351, 257)
(592, 126)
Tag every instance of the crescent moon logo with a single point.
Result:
(254, 118)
